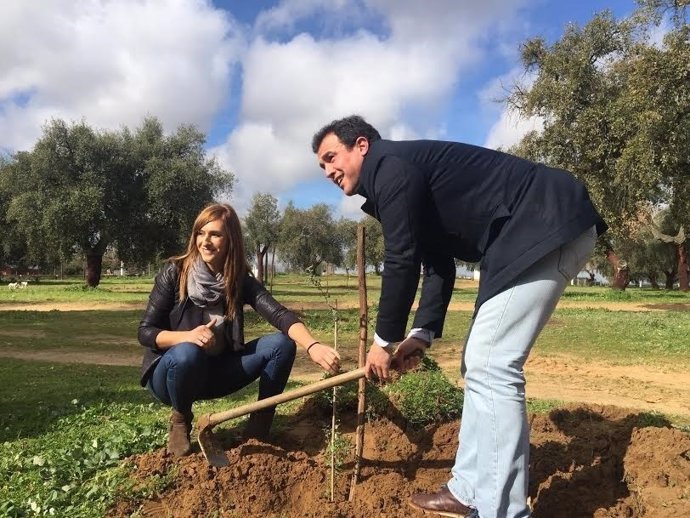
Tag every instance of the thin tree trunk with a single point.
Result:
(94, 262)
(653, 280)
(273, 266)
(682, 267)
(621, 273)
(363, 321)
(259, 265)
(260, 269)
(670, 279)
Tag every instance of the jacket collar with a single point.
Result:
(367, 175)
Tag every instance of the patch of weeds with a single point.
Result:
(137, 490)
(684, 428)
(345, 397)
(422, 396)
(338, 449)
(652, 420)
(542, 406)
(85, 288)
(74, 470)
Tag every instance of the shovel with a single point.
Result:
(213, 451)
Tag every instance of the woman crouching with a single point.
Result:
(193, 330)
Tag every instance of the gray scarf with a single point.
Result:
(204, 288)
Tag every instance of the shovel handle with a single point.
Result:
(239, 411)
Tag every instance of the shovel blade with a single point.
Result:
(211, 448)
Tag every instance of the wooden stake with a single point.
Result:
(363, 321)
(335, 346)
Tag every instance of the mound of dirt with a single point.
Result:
(586, 461)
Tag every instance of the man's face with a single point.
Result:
(343, 166)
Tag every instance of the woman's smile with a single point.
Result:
(212, 244)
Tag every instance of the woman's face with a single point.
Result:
(212, 243)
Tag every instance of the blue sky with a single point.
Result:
(260, 77)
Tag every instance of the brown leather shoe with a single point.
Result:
(442, 503)
(178, 434)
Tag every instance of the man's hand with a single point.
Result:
(378, 362)
(408, 354)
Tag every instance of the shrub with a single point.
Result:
(421, 397)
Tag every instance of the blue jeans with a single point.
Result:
(491, 466)
(186, 373)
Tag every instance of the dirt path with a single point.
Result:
(299, 306)
(73, 306)
(663, 388)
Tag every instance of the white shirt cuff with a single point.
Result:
(425, 335)
(380, 341)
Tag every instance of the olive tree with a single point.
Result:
(84, 190)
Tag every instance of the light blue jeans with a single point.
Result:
(491, 466)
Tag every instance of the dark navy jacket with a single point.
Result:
(440, 200)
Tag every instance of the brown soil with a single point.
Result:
(586, 461)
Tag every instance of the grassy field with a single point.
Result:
(66, 427)
(296, 289)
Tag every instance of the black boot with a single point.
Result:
(259, 425)
(178, 434)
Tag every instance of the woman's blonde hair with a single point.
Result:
(235, 267)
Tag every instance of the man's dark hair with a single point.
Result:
(348, 130)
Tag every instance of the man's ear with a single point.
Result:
(362, 145)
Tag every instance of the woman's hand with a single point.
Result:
(325, 356)
(203, 335)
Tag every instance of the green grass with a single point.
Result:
(65, 430)
(35, 395)
(631, 294)
(70, 330)
(619, 337)
(296, 288)
(112, 289)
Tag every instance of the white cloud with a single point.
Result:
(400, 79)
(350, 207)
(659, 32)
(112, 63)
(510, 126)
(287, 13)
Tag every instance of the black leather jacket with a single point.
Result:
(166, 312)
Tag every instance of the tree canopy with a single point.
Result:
(615, 106)
(82, 190)
(309, 237)
(262, 224)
